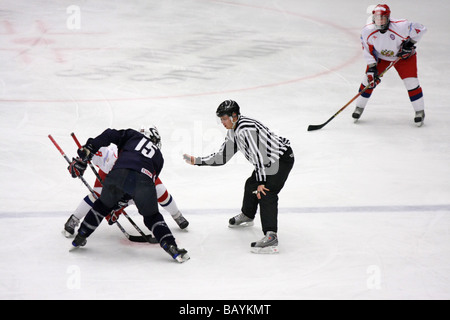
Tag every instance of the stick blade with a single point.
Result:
(313, 127)
(148, 239)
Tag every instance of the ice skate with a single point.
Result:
(240, 221)
(357, 113)
(180, 255)
(181, 221)
(70, 225)
(79, 241)
(268, 244)
(419, 118)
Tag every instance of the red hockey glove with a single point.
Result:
(114, 216)
(117, 211)
(77, 167)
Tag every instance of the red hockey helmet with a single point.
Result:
(380, 16)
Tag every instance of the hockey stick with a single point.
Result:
(143, 238)
(313, 127)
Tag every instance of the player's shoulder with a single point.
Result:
(130, 135)
(399, 21)
(399, 24)
(246, 123)
(368, 30)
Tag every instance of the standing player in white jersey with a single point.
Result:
(383, 41)
(104, 159)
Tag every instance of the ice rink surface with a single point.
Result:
(365, 213)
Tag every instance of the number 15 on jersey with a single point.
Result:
(146, 147)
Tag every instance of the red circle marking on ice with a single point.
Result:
(312, 76)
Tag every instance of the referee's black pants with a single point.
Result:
(268, 204)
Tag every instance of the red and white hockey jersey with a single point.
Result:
(105, 158)
(377, 45)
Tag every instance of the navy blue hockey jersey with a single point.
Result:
(135, 151)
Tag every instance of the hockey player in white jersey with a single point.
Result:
(384, 41)
(105, 159)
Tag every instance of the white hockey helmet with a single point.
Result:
(152, 133)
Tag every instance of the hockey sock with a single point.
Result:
(367, 93)
(94, 218)
(364, 97)
(83, 208)
(415, 93)
(166, 200)
(159, 228)
(416, 97)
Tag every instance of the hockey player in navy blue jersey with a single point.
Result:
(133, 177)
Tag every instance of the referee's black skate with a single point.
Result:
(240, 221)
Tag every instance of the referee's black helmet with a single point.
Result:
(228, 107)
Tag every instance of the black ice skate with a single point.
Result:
(419, 118)
(268, 244)
(239, 221)
(79, 241)
(176, 253)
(70, 225)
(357, 113)
(181, 221)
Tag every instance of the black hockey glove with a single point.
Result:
(372, 77)
(77, 167)
(86, 152)
(407, 49)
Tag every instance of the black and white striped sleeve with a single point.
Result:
(225, 153)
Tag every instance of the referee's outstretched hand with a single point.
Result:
(189, 159)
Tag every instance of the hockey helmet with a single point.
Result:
(152, 133)
(228, 107)
(380, 16)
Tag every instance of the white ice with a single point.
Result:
(365, 213)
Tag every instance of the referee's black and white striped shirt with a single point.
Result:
(259, 145)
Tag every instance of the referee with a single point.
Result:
(272, 158)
